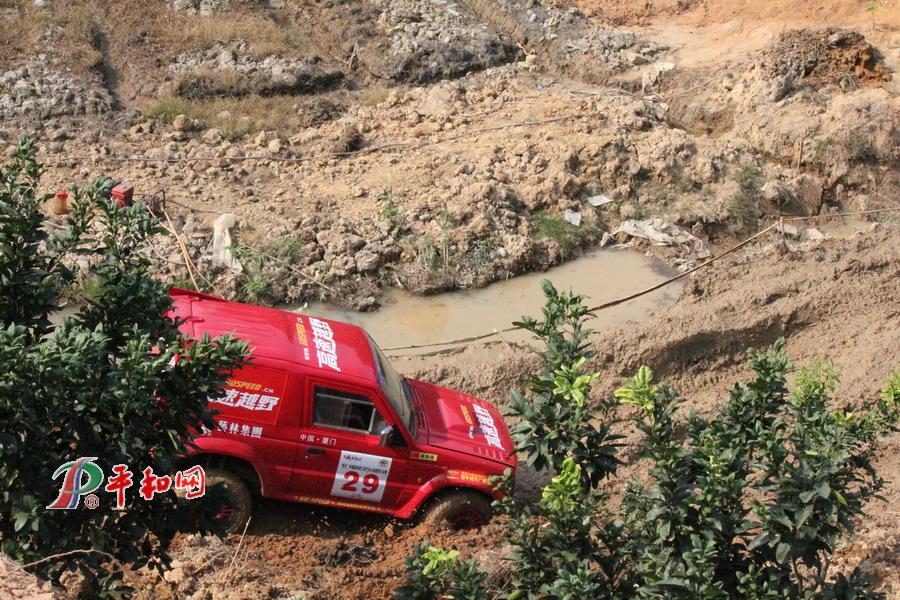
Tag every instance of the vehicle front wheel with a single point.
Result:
(459, 509)
(238, 504)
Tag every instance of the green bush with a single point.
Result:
(433, 573)
(115, 381)
(753, 502)
(556, 420)
(749, 504)
(562, 548)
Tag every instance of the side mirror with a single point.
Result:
(385, 436)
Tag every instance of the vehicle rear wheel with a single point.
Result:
(459, 509)
(238, 503)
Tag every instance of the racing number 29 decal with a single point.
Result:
(361, 476)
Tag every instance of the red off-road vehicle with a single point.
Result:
(320, 416)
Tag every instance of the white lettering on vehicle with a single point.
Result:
(361, 476)
(239, 429)
(247, 400)
(487, 426)
(323, 340)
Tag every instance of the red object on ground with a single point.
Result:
(60, 203)
(322, 417)
(122, 194)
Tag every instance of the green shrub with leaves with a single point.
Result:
(433, 573)
(115, 381)
(749, 504)
(752, 503)
(556, 419)
(565, 546)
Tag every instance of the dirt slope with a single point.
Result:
(705, 12)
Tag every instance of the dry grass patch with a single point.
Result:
(63, 30)
(264, 36)
(236, 117)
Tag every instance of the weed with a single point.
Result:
(388, 208)
(570, 237)
(744, 209)
(252, 286)
(263, 36)
(847, 82)
(289, 248)
(750, 179)
(745, 203)
(169, 108)
(872, 8)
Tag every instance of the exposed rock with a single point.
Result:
(432, 41)
(234, 71)
(367, 261)
(34, 89)
(808, 193)
(183, 123)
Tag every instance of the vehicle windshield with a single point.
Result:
(395, 388)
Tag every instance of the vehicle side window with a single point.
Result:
(343, 410)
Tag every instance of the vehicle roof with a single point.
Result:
(280, 334)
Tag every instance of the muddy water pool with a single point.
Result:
(602, 275)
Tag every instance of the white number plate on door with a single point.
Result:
(361, 476)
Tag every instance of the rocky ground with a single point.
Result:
(438, 145)
(345, 147)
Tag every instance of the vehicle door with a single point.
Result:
(261, 408)
(340, 459)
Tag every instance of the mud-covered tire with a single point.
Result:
(459, 509)
(239, 503)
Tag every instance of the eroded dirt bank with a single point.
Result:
(835, 300)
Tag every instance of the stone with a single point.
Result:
(813, 234)
(367, 261)
(808, 193)
(437, 102)
(212, 136)
(274, 146)
(182, 123)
